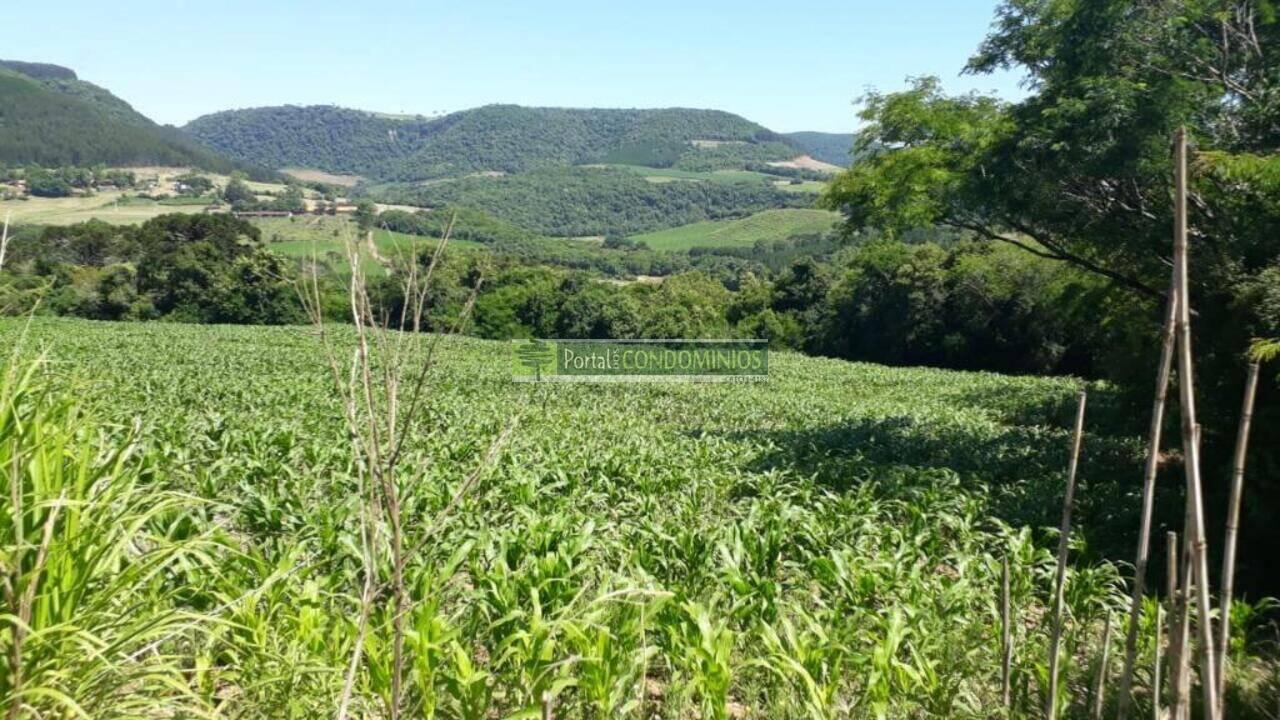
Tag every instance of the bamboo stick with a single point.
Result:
(1148, 501)
(1006, 637)
(547, 706)
(1171, 597)
(1180, 667)
(1064, 537)
(1233, 529)
(1100, 685)
(4, 238)
(1155, 669)
(1186, 388)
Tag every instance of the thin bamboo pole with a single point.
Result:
(547, 706)
(1186, 388)
(1171, 597)
(4, 238)
(1100, 685)
(1064, 537)
(1155, 668)
(1233, 530)
(1148, 501)
(1180, 669)
(1006, 637)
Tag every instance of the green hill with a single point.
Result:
(577, 201)
(50, 117)
(833, 148)
(493, 139)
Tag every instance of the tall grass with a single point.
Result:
(91, 554)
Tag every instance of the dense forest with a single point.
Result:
(54, 119)
(1081, 172)
(594, 201)
(938, 300)
(494, 138)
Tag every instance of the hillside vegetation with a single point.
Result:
(834, 148)
(595, 201)
(494, 138)
(52, 118)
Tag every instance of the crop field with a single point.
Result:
(826, 544)
(119, 207)
(326, 237)
(806, 186)
(741, 232)
(661, 175)
(312, 175)
(110, 207)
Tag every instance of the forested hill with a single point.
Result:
(494, 138)
(50, 117)
(834, 148)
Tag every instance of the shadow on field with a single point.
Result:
(1020, 459)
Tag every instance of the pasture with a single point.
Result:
(326, 237)
(741, 232)
(117, 208)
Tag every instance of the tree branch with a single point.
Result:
(1055, 251)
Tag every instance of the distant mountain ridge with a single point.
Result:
(492, 138)
(48, 116)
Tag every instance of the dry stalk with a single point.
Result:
(1100, 685)
(1155, 668)
(1006, 636)
(1148, 502)
(4, 238)
(1064, 538)
(392, 358)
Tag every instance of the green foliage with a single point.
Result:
(94, 551)
(42, 183)
(494, 138)
(1081, 171)
(194, 184)
(735, 155)
(196, 268)
(52, 122)
(594, 201)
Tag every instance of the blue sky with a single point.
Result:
(787, 65)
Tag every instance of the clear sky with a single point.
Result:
(789, 65)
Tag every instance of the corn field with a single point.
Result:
(183, 536)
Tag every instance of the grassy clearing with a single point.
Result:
(310, 175)
(661, 175)
(111, 207)
(807, 186)
(120, 207)
(741, 232)
(326, 237)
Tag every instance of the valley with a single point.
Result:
(605, 392)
